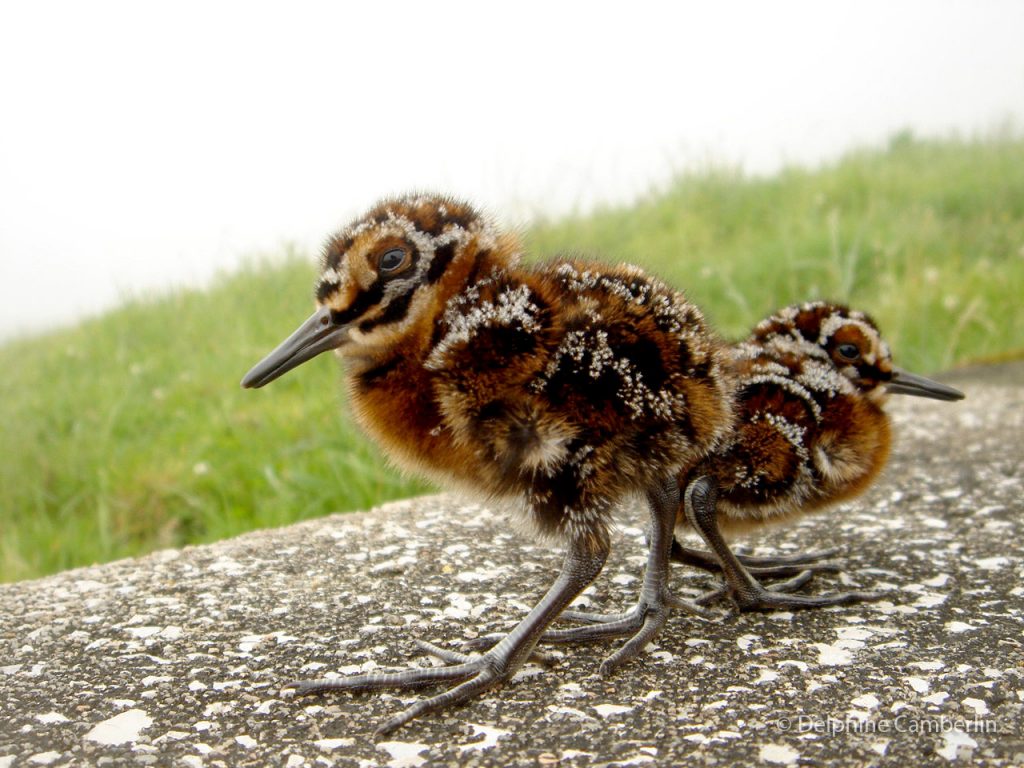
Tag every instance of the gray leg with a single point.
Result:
(644, 621)
(777, 566)
(699, 503)
(474, 675)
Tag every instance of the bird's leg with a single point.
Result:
(471, 676)
(699, 504)
(776, 566)
(644, 621)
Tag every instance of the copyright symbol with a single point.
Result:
(782, 723)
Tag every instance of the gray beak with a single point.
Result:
(318, 334)
(905, 383)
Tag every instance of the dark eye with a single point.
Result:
(848, 352)
(391, 260)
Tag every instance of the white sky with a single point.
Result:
(146, 145)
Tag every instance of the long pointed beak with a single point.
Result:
(906, 383)
(318, 334)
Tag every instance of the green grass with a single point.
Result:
(129, 432)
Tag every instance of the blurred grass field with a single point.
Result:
(129, 433)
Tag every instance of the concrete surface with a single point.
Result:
(177, 658)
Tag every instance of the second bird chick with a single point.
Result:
(812, 381)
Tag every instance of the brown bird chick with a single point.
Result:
(563, 387)
(811, 432)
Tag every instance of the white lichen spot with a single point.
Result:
(958, 626)
(980, 707)
(44, 758)
(866, 701)
(143, 632)
(838, 654)
(490, 738)
(52, 717)
(121, 728)
(745, 641)
(992, 563)
(328, 744)
(780, 754)
(919, 684)
(854, 633)
(724, 735)
(929, 601)
(404, 754)
(956, 744)
(607, 710)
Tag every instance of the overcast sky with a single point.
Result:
(146, 145)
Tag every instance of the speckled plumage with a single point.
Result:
(566, 385)
(810, 426)
(811, 431)
(563, 387)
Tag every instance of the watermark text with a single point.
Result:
(830, 726)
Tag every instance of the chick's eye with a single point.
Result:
(391, 260)
(848, 352)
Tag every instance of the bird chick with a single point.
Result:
(812, 382)
(564, 387)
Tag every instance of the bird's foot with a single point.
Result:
(468, 676)
(754, 597)
(640, 625)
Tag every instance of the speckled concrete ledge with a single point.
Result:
(177, 658)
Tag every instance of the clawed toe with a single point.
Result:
(754, 597)
(708, 562)
(469, 676)
(587, 617)
(796, 558)
(474, 686)
(640, 625)
(689, 606)
(768, 600)
(793, 569)
(779, 596)
(445, 654)
(772, 600)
